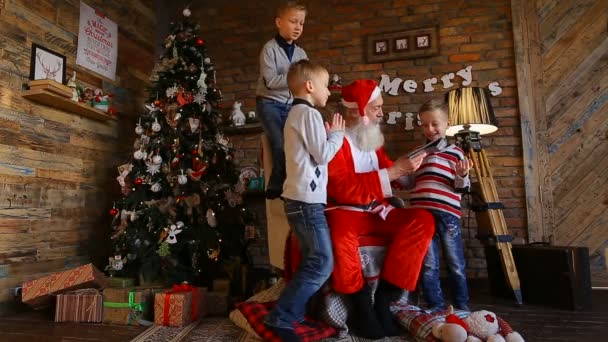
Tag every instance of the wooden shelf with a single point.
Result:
(244, 129)
(55, 101)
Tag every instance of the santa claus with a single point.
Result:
(359, 186)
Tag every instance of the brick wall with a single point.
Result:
(475, 33)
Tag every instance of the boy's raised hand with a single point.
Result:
(463, 167)
(337, 125)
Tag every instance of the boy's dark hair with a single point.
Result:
(289, 5)
(302, 71)
(434, 105)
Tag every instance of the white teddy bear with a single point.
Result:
(479, 326)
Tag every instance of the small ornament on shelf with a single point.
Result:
(72, 84)
(251, 117)
(335, 86)
(101, 101)
(236, 116)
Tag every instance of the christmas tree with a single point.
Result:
(181, 213)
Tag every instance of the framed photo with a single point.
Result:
(407, 44)
(47, 64)
(423, 41)
(381, 47)
(402, 44)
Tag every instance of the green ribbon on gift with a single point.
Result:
(131, 304)
(137, 309)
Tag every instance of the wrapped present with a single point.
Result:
(120, 283)
(82, 305)
(221, 286)
(127, 306)
(216, 304)
(37, 293)
(179, 306)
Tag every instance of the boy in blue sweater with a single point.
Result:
(273, 98)
(309, 145)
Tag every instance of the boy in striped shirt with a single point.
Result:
(436, 181)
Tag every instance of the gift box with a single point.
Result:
(79, 306)
(216, 304)
(180, 305)
(221, 286)
(127, 306)
(121, 283)
(37, 293)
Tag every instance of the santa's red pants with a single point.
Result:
(408, 233)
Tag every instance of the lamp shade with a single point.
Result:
(470, 108)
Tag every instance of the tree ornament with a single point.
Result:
(156, 126)
(139, 130)
(139, 154)
(194, 123)
(156, 103)
(152, 168)
(171, 239)
(144, 139)
(157, 159)
(186, 12)
(156, 187)
(113, 211)
(211, 220)
(138, 181)
(213, 254)
(116, 263)
(163, 249)
(200, 42)
(182, 179)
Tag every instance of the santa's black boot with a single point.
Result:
(363, 320)
(385, 294)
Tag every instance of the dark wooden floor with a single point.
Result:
(535, 323)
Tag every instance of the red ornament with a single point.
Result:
(194, 151)
(113, 212)
(138, 181)
(156, 103)
(200, 42)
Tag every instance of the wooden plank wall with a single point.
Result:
(562, 68)
(57, 169)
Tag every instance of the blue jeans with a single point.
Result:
(448, 236)
(273, 115)
(308, 223)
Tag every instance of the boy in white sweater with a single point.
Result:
(309, 146)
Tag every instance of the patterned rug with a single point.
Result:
(216, 329)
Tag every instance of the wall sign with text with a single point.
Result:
(97, 42)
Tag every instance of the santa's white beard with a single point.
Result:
(367, 137)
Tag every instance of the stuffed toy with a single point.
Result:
(479, 326)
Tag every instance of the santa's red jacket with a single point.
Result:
(357, 190)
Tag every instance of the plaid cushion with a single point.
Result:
(308, 332)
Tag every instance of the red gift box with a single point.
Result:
(179, 306)
(37, 292)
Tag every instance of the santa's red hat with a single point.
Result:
(359, 93)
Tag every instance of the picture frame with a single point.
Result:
(423, 41)
(47, 64)
(405, 44)
(381, 47)
(402, 44)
